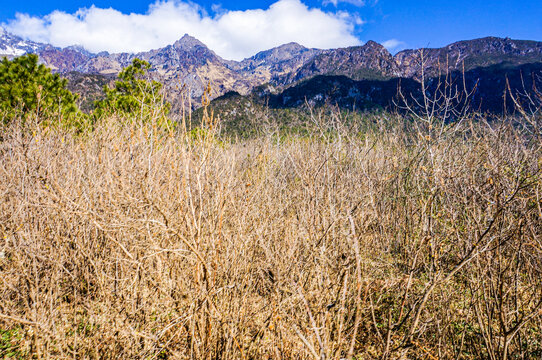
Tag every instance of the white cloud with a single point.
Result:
(351, 2)
(231, 34)
(393, 44)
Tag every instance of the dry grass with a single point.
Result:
(398, 242)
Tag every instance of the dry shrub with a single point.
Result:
(395, 242)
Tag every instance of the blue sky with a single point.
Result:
(224, 25)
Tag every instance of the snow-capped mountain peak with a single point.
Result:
(12, 45)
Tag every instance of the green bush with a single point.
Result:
(10, 344)
(30, 89)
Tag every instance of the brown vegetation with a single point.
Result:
(382, 239)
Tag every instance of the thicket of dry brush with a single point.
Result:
(388, 238)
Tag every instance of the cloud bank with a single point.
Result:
(231, 34)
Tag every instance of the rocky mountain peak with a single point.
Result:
(373, 45)
(188, 43)
(277, 61)
(290, 48)
(373, 49)
(370, 61)
(469, 54)
(493, 45)
(80, 49)
(291, 45)
(280, 53)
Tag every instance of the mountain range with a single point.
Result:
(289, 75)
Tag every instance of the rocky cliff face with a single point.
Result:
(277, 57)
(368, 62)
(270, 65)
(467, 55)
(64, 60)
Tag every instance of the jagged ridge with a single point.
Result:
(190, 62)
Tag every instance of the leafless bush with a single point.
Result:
(134, 242)
(528, 103)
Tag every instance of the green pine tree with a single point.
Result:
(133, 95)
(30, 89)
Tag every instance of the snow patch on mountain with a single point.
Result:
(12, 45)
